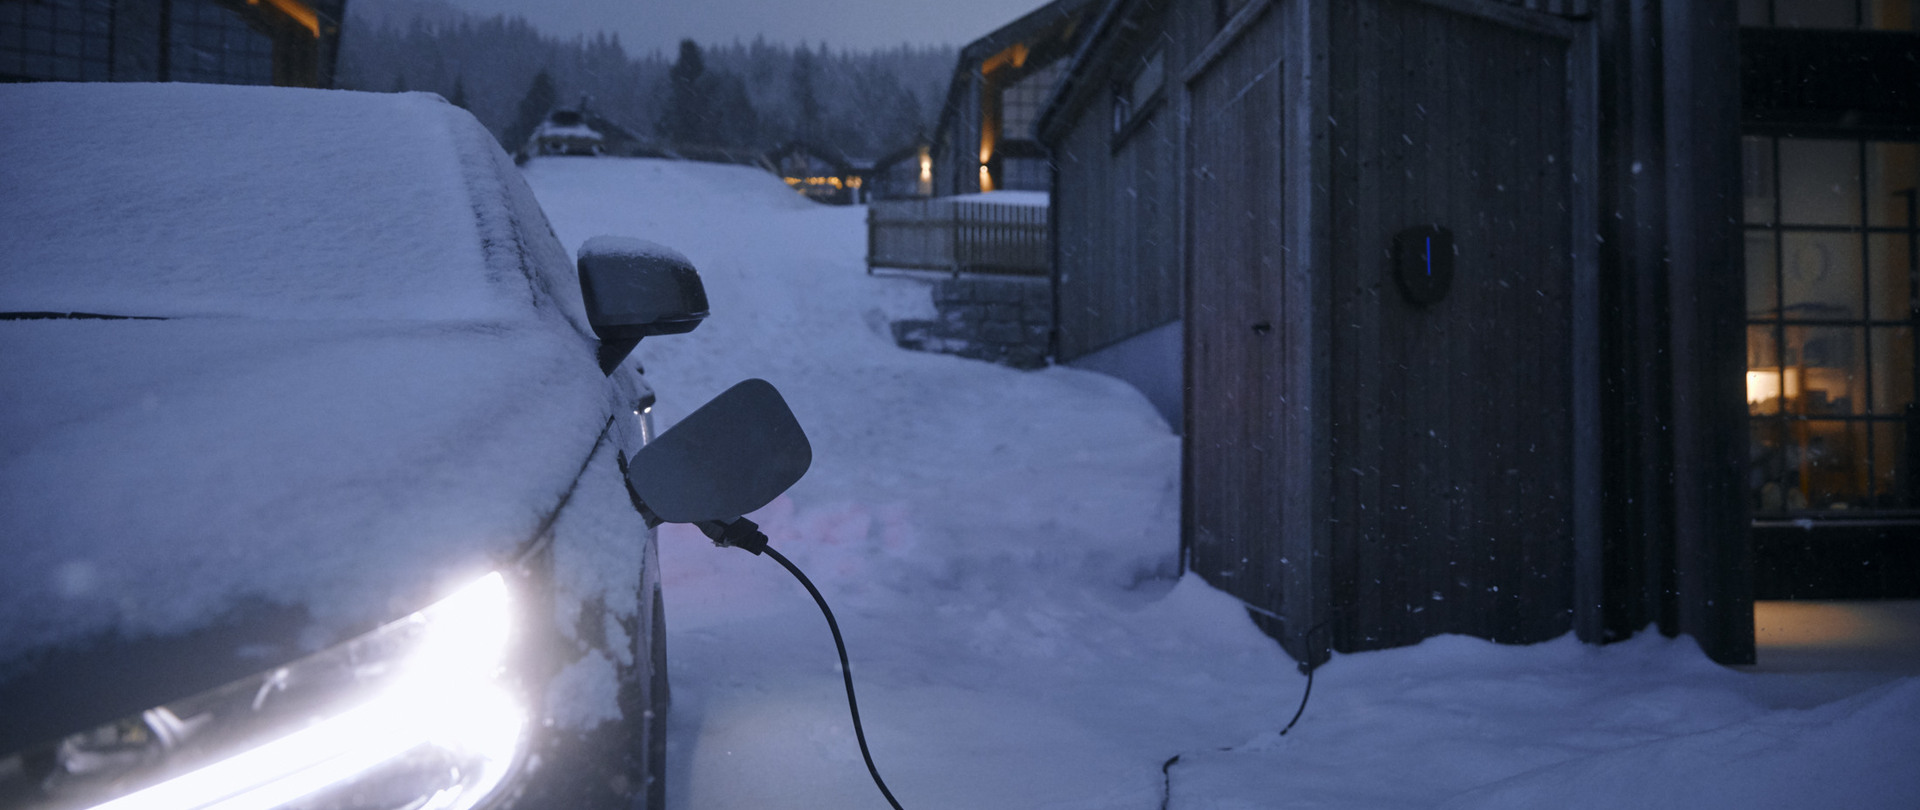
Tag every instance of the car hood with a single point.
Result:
(187, 501)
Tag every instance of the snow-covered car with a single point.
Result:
(312, 453)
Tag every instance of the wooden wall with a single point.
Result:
(1118, 249)
(1452, 425)
(1508, 462)
(956, 153)
(1253, 471)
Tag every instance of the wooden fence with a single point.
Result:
(958, 237)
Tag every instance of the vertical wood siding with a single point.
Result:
(1243, 463)
(1118, 260)
(1452, 425)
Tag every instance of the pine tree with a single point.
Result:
(688, 118)
(539, 100)
(805, 96)
(460, 93)
(735, 122)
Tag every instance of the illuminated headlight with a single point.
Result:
(415, 715)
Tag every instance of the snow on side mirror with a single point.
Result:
(732, 456)
(635, 289)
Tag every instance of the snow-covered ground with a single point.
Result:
(999, 547)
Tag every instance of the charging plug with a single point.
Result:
(739, 533)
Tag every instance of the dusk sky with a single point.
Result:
(645, 25)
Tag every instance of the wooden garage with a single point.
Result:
(1429, 387)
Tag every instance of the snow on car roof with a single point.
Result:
(193, 200)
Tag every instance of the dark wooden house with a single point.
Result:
(821, 173)
(1475, 339)
(277, 42)
(984, 140)
(582, 131)
(905, 173)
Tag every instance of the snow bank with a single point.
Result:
(912, 450)
(1464, 723)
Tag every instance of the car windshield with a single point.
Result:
(338, 207)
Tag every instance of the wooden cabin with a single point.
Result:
(580, 130)
(1512, 318)
(270, 42)
(985, 138)
(822, 174)
(905, 173)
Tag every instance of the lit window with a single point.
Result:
(211, 43)
(1831, 323)
(62, 40)
(1873, 15)
(1020, 103)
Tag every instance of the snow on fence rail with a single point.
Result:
(958, 237)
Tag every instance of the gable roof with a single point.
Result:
(1072, 89)
(1067, 14)
(911, 150)
(833, 157)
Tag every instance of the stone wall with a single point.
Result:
(1001, 320)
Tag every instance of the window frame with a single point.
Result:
(1130, 113)
(1771, 426)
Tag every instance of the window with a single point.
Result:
(1832, 276)
(1020, 103)
(1134, 96)
(1872, 15)
(62, 40)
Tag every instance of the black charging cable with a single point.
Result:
(1166, 768)
(744, 534)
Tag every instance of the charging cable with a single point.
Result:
(742, 533)
(1166, 768)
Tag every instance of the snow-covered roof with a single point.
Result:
(372, 376)
(1031, 199)
(551, 130)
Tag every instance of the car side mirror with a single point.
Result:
(732, 456)
(635, 289)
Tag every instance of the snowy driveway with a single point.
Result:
(1000, 546)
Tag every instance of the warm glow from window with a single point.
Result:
(1014, 56)
(1765, 385)
(986, 179)
(1814, 624)
(300, 14)
(926, 167)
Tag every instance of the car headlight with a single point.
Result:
(417, 714)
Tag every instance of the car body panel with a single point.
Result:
(358, 376)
